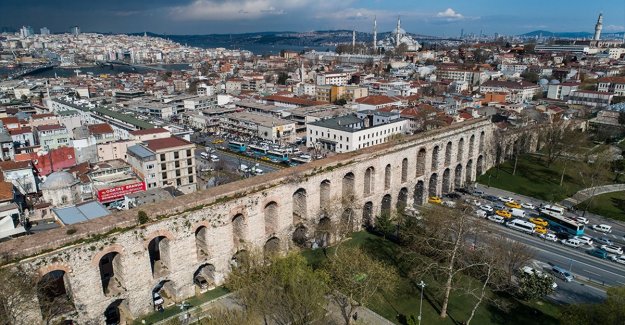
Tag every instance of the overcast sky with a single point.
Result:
(430, 17)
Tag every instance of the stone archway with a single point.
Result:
(419, 191)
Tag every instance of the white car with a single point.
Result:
(527, 205)
(496, 218)
(619, 259)
(486, 208)
(585, 240)
(549, 237)
(506, 199)
(582, 220)
(612, 249)
(571, 242)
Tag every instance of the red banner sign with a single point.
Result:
(118, 192)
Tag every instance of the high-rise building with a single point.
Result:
(44, 31)
(598, 28)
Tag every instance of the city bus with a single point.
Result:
(237, 146)
(278, 155)
(554, 215)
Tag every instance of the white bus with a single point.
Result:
(521, 225)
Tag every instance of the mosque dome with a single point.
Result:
(58, 180)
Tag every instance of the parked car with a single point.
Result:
(597, 252)
(619, 259)
(561, 274)
(549, 237)
(496, 218)
(527, 205)
(571, 242)
(612, 249)
(603, 241)
(602, 228)
(486, 208)
(539, 222)
(505, 199)
(585, 240)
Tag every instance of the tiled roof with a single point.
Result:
(166, 143)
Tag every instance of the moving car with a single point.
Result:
(549, 236)
(602, 228)
(435, 200)
(505, 199)
(496, 218)
(571, 242)
(486, 208)
(612, 249)
(513, 205)
(539, 222)
(600, 253)
(503, 213)
(528, 205)
(561, 274)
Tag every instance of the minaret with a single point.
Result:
(398, 29)
(598, 28)
(375, 34)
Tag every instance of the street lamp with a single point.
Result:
(422, 285)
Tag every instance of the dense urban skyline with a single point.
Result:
(440, 18)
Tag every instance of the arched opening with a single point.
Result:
(386, 205)
(482, 142)
(471, 145)
(118, 313)
(271, 218)
(387, 177)
(164, 294)
(272, 247)
(367, 215)
(110, 266)
(418, 193)
(299, 205)
(402, 200)
(158, 249)
(480, 165)
(433, 186)
(204, 278)
(347, 221)
(404, 170)
(238, 229)
(469, 172)
(240, 258)
(54, 294)
(421, 162)
(300, 236)
(201, 243)
(448, 149)
(435, 158)
(458, 176)
(323, 233)
(369, 181)
(446, 181)
(324, 194)
(348, 186)
(460, 149)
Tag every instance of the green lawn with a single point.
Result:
(534, 179)
(611, 205)
(404, 301)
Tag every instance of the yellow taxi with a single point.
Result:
(540, 230)
(539, 222)
(513, 205)
(217, 141)
(503, 213)
(435, 199)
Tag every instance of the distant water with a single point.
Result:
(97, 70)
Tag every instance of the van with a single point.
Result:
(562, 274)
(602, 228)
(517, 213)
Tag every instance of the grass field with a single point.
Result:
(404, 300)
(611, 205)
(534, 179)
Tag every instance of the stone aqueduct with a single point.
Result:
(111, 266)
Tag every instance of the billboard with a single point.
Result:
(118, 192)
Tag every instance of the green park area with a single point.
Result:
(611, 205)
(403, 301)
(533, 177)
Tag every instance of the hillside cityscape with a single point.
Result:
(363, 172)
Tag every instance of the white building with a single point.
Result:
(354, 131)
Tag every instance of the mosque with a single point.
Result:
(396, 37)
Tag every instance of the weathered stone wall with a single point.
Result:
(246, 215)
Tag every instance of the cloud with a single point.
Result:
(450, 14)
(614, 28)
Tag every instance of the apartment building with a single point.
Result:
(165, 162)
